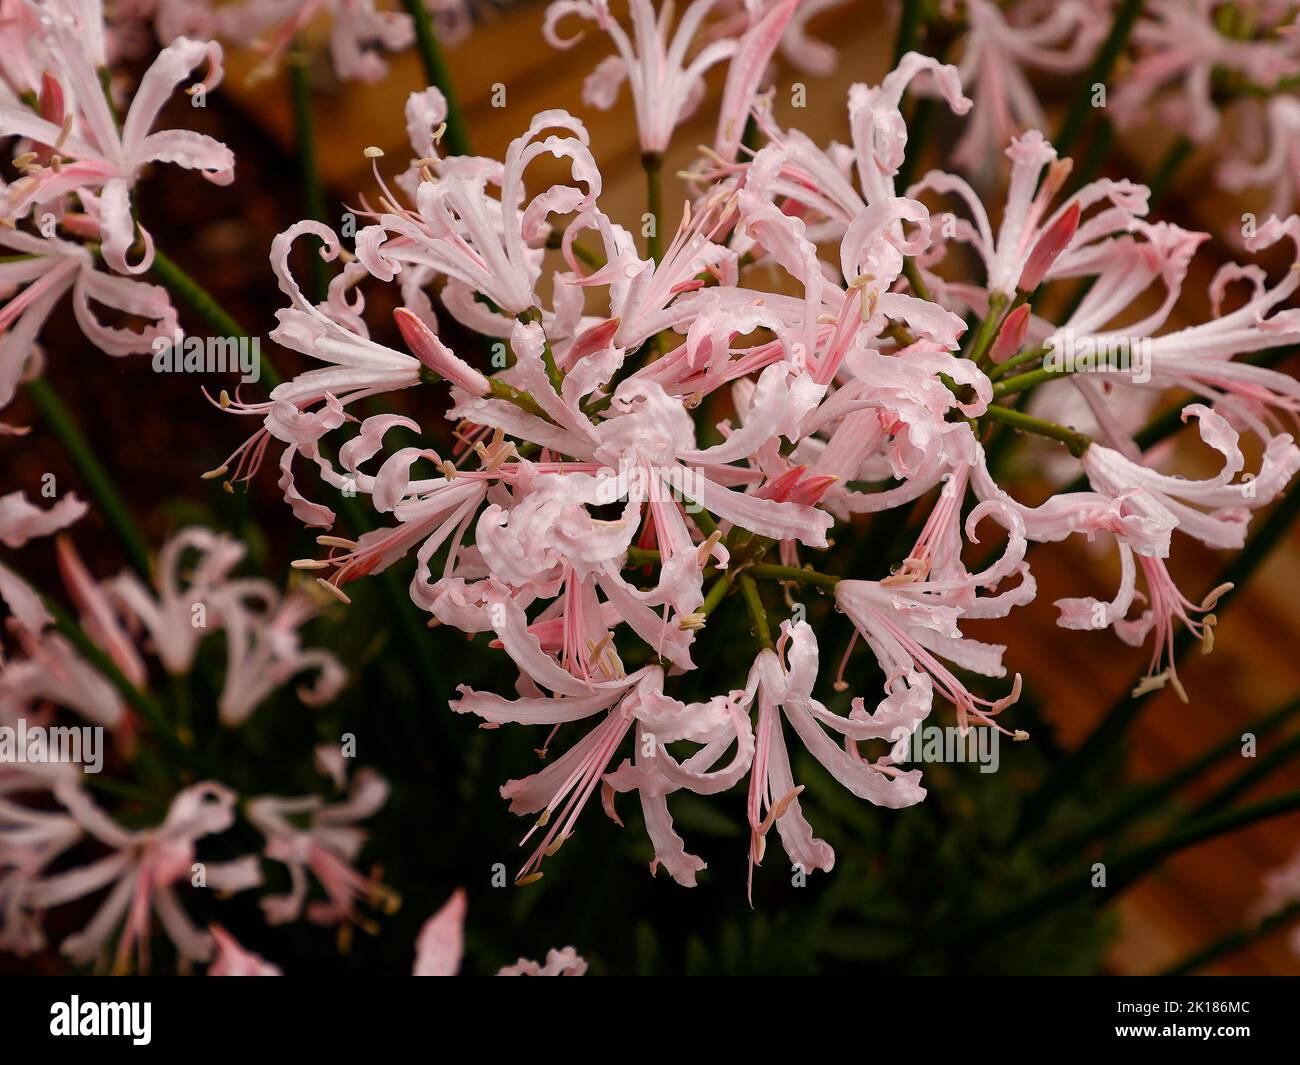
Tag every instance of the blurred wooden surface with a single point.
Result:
(1255, 666)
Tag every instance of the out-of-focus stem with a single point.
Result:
(456, 136)
(654, 166)
(313, 193)
(111, 502)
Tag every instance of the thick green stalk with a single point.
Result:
(754, 603)
(1179, 152)
(909, 25)
(791, 573)
(1077, 442)
(436, 71)
(111, 502)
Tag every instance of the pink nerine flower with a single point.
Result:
(1279, 166)
(145, 869)
(665, 83)
(90, 156)
(21, 521)
(1182, 52)
(41, 271)
(327, 847)
(359, 32)
(998, 48)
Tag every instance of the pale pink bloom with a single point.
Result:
(715, 727)
(749, 63)
(264, 651)
(784, 693)
(51, 670)
(909, 619)
(1279, 167)
(665, 81)
(1202, 358)
(327, 847)
(359, 32)
(234, 960)
(144, 870)
(483, 244)
(41, 272)
(818, 185)
(30, 840)
(302, 410)
(1181, 51)
(1214, 511)
(94, 159)
(193, 569)
(441, 944)
(1026, 220)
(999, 47)
(21, 521)
(560, 792)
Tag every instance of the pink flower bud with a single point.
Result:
(434, 354)
(1049, 247)
(1012, 334)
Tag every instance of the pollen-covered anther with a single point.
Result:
(334, 590)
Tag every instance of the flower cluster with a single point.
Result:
(622, 440)
(586, 521)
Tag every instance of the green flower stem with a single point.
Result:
(718, 592)
(1151, 797)
(988, 328)
(909, 26)
(1077, 442)
(1124, 869)
(1018, 359)
(754, 603)
(762, 571)
(654, 193)
(1179, 152)
(1021, 382)
(1234, 941)
(111, 502)
(1255, 773)
(913, 274)
(202, 303)
(1103, 63)
(456, 136)
(147, 707)
(1120, 718)
(313, 192)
